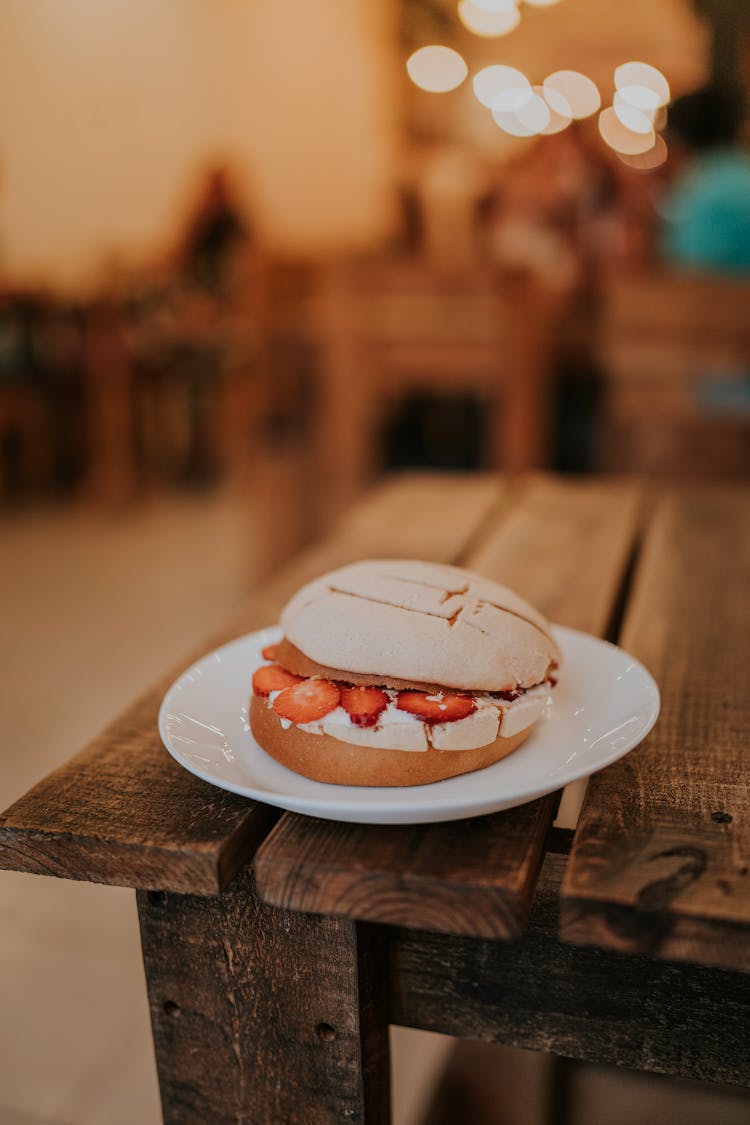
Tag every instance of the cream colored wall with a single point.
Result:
(109, 108)
(308, 91)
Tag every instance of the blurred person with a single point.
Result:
(216, 232)
(558, 220)
(706, 209)
(187, 324)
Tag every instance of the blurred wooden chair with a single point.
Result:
(23, 424)
(385, 330)
(26, 460)
(675, 351)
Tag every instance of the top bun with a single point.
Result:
(420, 622)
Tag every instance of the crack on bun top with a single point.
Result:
(422, 622)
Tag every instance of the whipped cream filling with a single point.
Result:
(399, 730)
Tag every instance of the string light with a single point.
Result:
(560, 111)
(642, 74)
(495, 5)
(647, 161)
(629, 126)
(641, 97)
(622, 139)
(493, 81)
(436, 69)
(509, 123)
(635, 119)
(579, 92)
(488, 23)
(535, 114)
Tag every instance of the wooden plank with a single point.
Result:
(123, 812)
(661, 859)
(412, 515)
(566, 548)
(468, 877)
(589, 1004)
(262, 1016)
(471, 877)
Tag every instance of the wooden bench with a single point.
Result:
(278, 948)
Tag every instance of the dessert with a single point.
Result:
(399, 672)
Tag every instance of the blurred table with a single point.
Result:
(278, 948)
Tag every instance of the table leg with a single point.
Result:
(264, 1016)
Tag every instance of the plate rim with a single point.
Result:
(347, 808)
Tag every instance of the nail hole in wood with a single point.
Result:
(721, 817)
(171, 1008)
(325, 1031)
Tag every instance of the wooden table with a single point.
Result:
(278, 948)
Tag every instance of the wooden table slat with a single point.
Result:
(567, 546)
(469, 877)
(661, 858)
(123, 812)
(590, 1004)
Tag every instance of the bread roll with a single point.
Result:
(403, 620)
(397, 672)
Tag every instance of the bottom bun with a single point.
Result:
(323, 758)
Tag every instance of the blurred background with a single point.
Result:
(256, 255)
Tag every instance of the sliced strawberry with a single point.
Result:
(272, 677)
(270, 652)
(364, 705)
(438, 708)
(307, 701)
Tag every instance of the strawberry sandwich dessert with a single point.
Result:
(397, 672)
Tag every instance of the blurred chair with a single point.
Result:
(387, 330)
(25, 461)
(24, 440)
(675, 352)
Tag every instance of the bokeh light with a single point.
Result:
(639, 120)
(580, 93)
(647, 161)
(492, 81)
(560, 112)
(535, 114)
(530, 119)
(622, 139)
(509, 123)
(488, 24)
(642, 74)
(641, 97)
(436, 69)
(495, 5)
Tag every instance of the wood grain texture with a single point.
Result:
(589, 1004)
(470, 877)
(566, 546)
(661, 858)
(123, 812)
(433, 516)
(466, 877)
(261, 1016)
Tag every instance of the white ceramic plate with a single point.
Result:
(604, 704)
